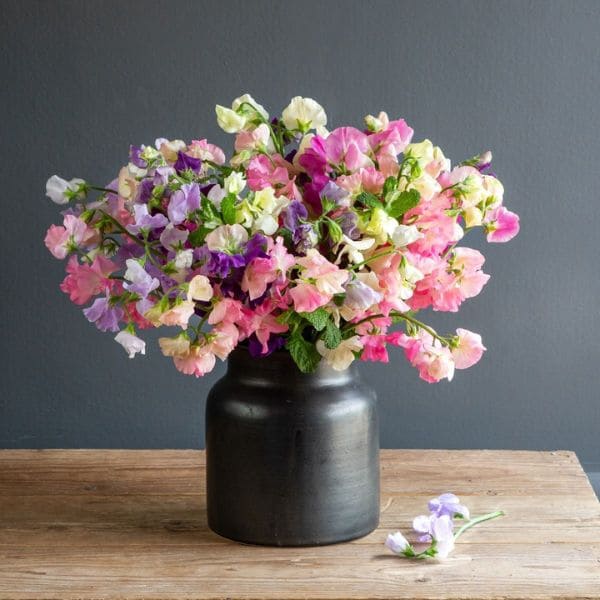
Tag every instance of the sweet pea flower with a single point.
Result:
(257, 140)
(229, 120)
(103, 314)
(227, 310)
(340, 358)
(468, 349)
(61, 191)
(234, 183)
(272, 171)
(200, 289)
(329, 277)
(144, 221)
(248, 106)
(223, 339)
(74, 233)
(84, 281)
(178, 315)
(177, 346)
(501, 225)
(432, 359)
(448, 504)
(131, 343)
(139, 281)
(206, 151)
(183, 202)
(169, 148)
(397, 543)
(197, 361)
(172, 237)
(303, 114)
(227, 238)
(261, 272)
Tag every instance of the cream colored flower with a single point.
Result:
(200, 289)
(303, 114)
(340, 358)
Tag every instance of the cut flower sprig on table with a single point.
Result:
(437, 528)
(306, 239)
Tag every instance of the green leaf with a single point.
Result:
(318, 318)
(368, 199)
(335, 231)
(332, 336)
(208, 212)
(228, 209)
(196, 238)
(304, 353)
(402, 203)
(327, 204)
(389, 185)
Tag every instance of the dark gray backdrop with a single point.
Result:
(82, 80)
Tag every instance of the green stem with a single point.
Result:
(364, 262)
(422, 325)
(101, 189)
(122, 229)
(476, 520)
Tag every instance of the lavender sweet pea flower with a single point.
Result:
(359, 296)
(183, 202)
(443, 534)
(162, 174)
(336, 194)
(141, 282)
(103, 315)
(349, 224)
(144, 220)
(135, 156)
(397, 543)
(448, 504)
(185, 162)
(171, 237)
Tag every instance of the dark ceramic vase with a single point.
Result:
(292, 458)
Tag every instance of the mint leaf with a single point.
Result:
(304, 353)
(196, 238)
(208, 212)
(318, 318)
(332, 336)
(389, 185)
(228, 209)
(368, 199)
(402, 202)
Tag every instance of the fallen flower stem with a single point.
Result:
(476, 520)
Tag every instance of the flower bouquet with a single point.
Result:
(306, 239)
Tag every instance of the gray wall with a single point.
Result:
(83, 80)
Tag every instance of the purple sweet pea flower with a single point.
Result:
(183, 202)
(162, 174)
(303, 234)
(275, 342)
(145, 190)
(336, 194)
(135, 156)
(103, 315)
(141, 282)
(185, 162)
(144, 220)
(448, 504)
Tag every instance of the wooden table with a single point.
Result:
(98, 524)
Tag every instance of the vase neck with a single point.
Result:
(280, 367)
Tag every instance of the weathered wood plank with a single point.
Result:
(131, 524)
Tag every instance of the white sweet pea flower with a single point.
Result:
(266, 223)
(303, 114)
(354, 249)
(200, 289)
(340, 358)
(404, 235)
(57, 189)
(216, 195)
(131, 343)
(241, 106)
(426, 185)
(234, 183)
(184, 259)
(473, 216)
(378, 123)
(227, 238)
(228, 120)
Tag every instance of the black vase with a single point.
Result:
(292, 458)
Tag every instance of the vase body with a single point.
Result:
(292, 458)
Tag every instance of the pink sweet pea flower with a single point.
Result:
(226, 336)
(433, 361)
(307, 297)
(263, 271)
(468, 350)
(227, 310)
(392, 140)
(374, 348)
(329, 278)
(264, 323)
(273, 171)
(73, 233)
(206, 151)
(198, 361)
(501, 225)
(178, 315)
(84, 281)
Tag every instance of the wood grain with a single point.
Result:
(116, 524)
